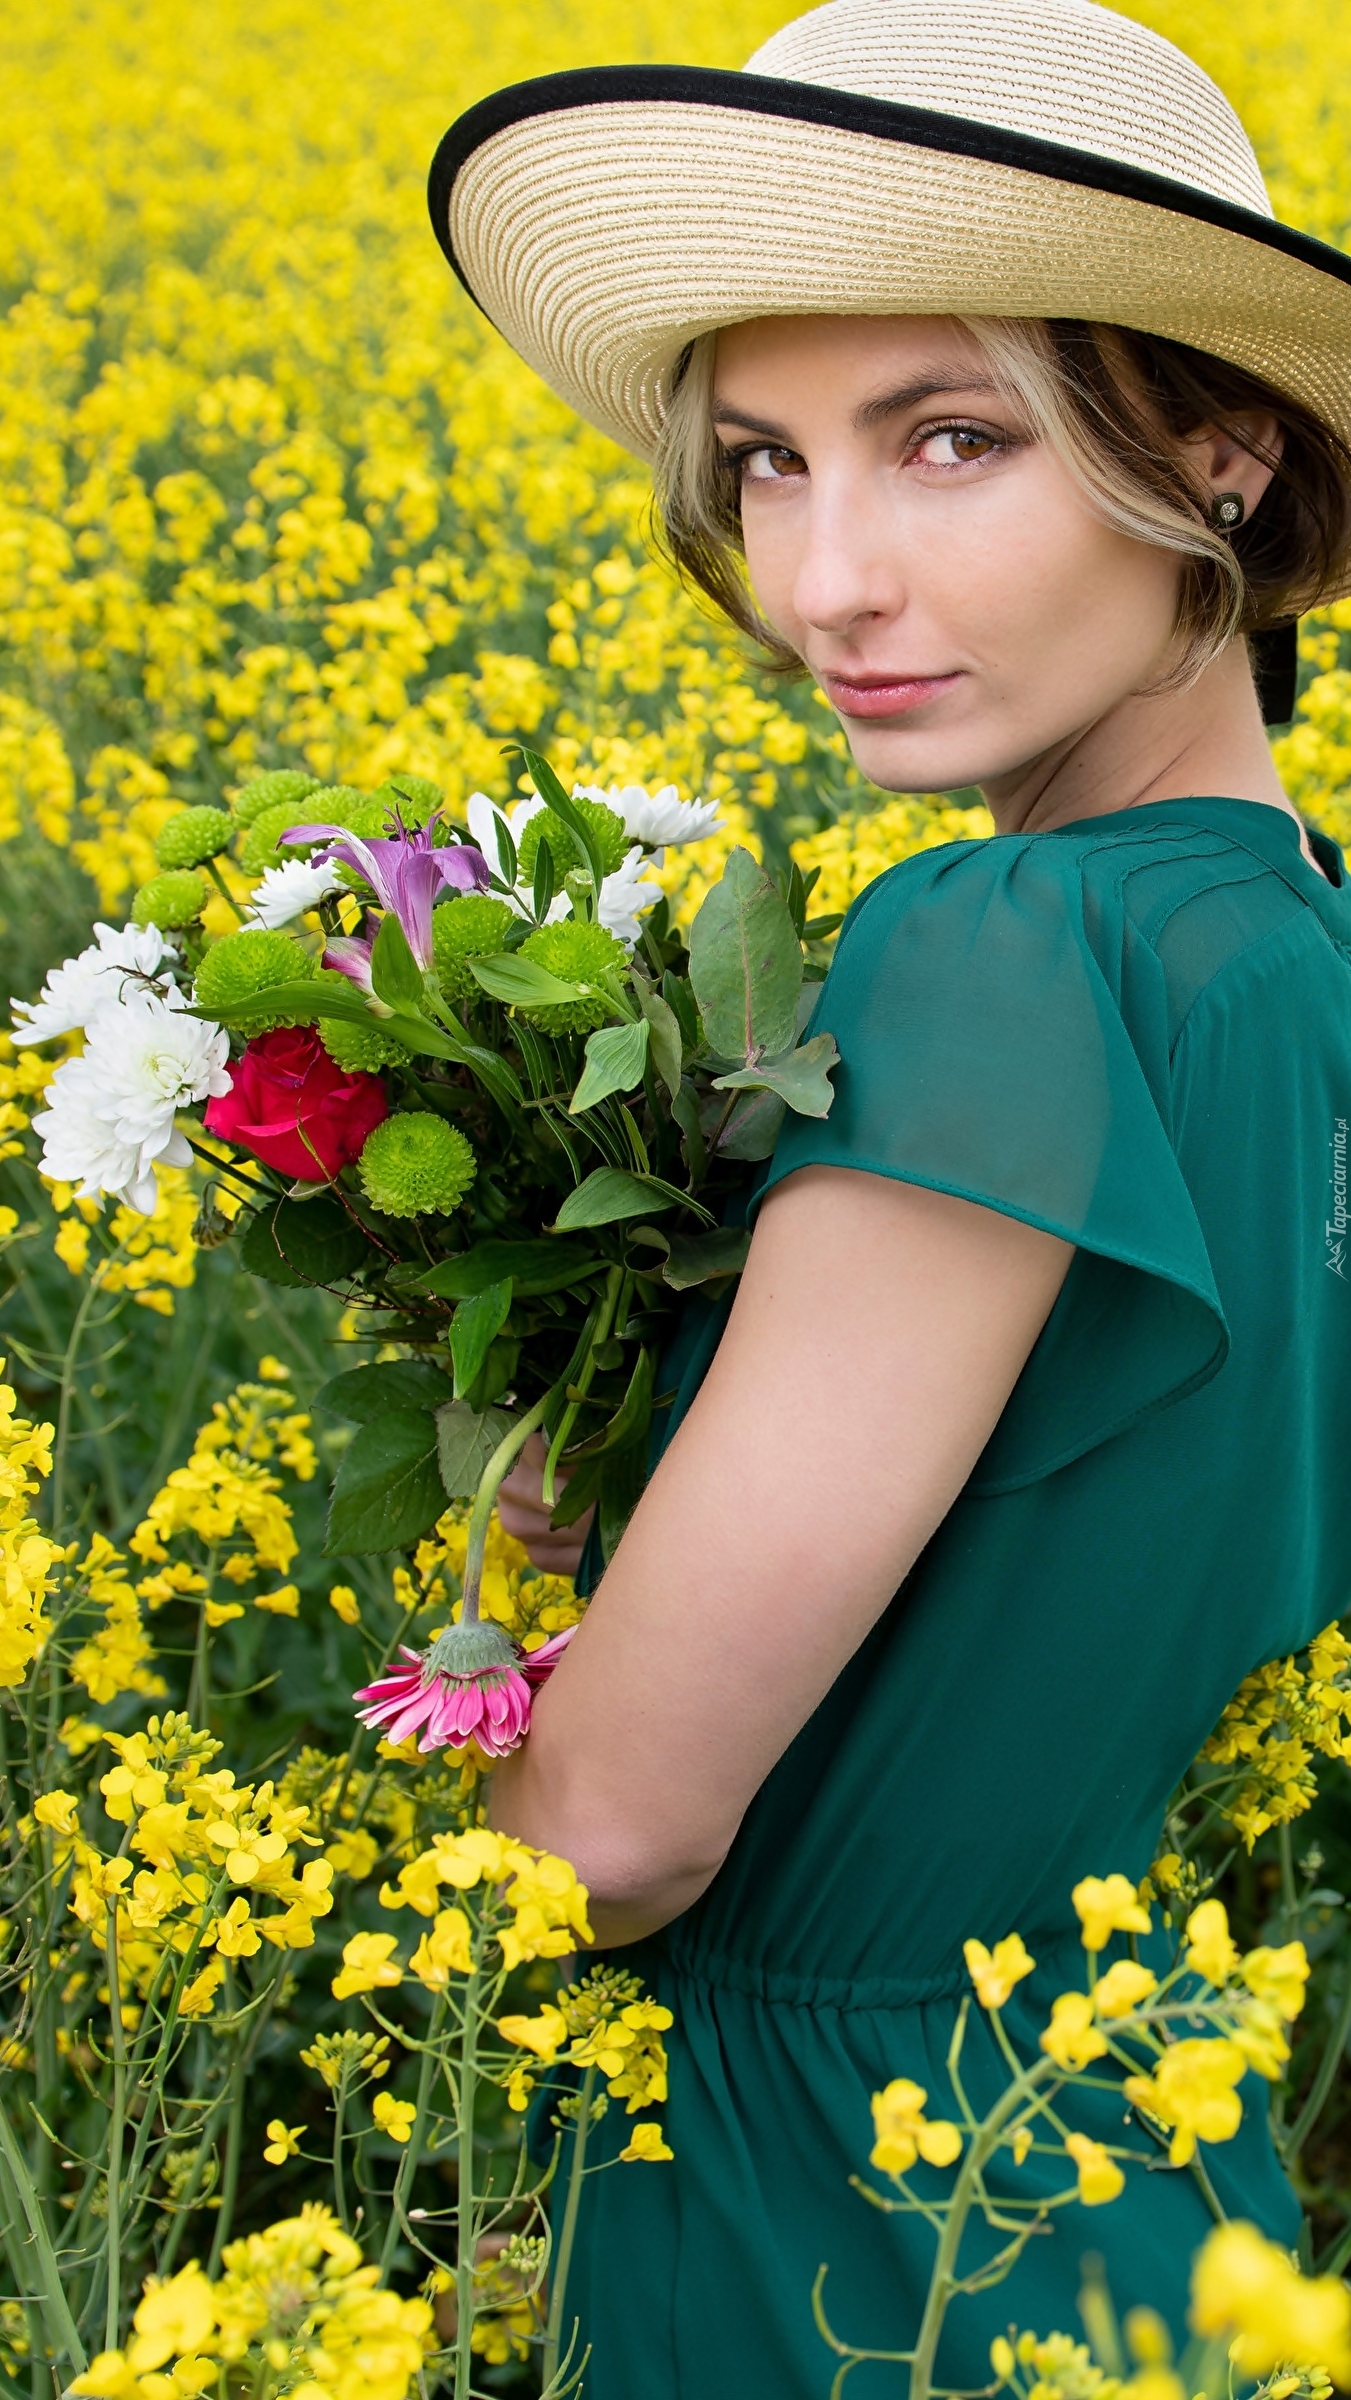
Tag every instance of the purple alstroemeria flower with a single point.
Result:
(407, 873)
(352, 957)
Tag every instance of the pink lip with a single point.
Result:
(884, 695)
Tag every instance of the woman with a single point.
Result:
(1022, 1442)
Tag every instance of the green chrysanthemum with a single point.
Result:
(193, 836)
(259, 850)
(608, 830)
(463, 929)
(254, 960)
(170, 901)
(361, 1049)
(415, 797)
(578, 954)
(415, 1165)
(286, 784)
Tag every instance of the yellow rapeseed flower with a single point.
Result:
(903, 2133)
(1122, 1988)
(1100, 2178)
(394, 2117)
(1246, 2289)
(283, 2141)
(368, 1965)
(647, 2142)
(444, 1950)
(1072, 2039)
(1108, 1905)
(1192, 2091)
(995, 1972)
(1210, 1951)
(1278, 1977)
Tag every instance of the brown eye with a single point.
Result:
(771, 465)
(968, 443)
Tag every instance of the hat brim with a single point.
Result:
(604, 217)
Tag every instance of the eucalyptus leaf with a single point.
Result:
(395, 974)
(801, 1077)
(754, 1126)
(520, 982)
(664, 1028)
(365, 1393)
(475, 1327)
(745, 963)
(388, 1490)
(464, 1444)
(615, 1058)
(698, 1257)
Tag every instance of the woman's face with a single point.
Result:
(948, 584)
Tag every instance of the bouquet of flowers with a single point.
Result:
(471, 1078)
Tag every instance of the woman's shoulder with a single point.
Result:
(1189, 888)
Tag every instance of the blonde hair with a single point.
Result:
(1116, 407)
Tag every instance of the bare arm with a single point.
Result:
(877, 1333)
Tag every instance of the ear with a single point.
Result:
(1241, 461)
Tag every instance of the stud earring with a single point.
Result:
(1227, 511)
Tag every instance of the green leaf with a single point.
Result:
(521, 982)
(745, 963)
(474, 1329)
(395, 973)
(675, 991)
(301, 1243)
(464, 1444)
(754, 1126)
(534, 1268)
(615, 1058)
(388, 1490)
(667, 1048)
(801, 1077)
(697, 1257)
(542, 890)
(302, 993)
(551, 791)
(365, 1393)
(609, 1193)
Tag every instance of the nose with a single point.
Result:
(849, 572)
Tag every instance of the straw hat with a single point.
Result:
(1039, 158)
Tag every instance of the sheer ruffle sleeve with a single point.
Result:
(1000, 1041)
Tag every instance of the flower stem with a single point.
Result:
(408, 2164)
(598, 1331)
(562, 2259)
(223, 888)
(497, 1469)
(466, 2219)
(116, 2136)
(54, 2305)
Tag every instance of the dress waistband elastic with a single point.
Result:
(778, 1989)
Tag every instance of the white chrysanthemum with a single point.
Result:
(656, 818)
(483, 816)
(287, 891)
(74, 991)
(110, 1113)
(625, 896)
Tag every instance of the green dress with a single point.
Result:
(1135, 1032)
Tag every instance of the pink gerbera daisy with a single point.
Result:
(471, 1685)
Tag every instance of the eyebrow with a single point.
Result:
(870, 412)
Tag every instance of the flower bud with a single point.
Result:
(362, 1049)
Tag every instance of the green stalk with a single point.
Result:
(466, 2215)
(339, 2114)
(598, 1332)
(234, 2139)
(116, 2138)
(223, 888)
(498, 1468)
(562, 2258)
(52, 2296)
(1321, 2085)
(408, 2164)
(943, 2282)
(66, 1402)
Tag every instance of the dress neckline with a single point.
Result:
(1258, 827)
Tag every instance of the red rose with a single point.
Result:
(295, 1108)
